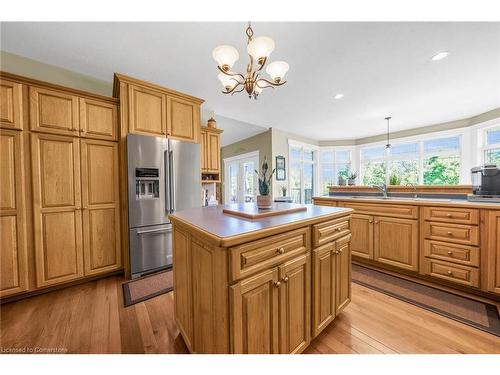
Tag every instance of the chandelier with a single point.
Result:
(258, 50)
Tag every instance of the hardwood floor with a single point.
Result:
(91, 318)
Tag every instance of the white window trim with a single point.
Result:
(334, 149)
(249, 155)
(315, 149)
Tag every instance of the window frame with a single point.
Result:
(333, 163)
(315, 151)
(484, 141)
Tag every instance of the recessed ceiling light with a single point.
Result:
(338, 96)
(440, 56)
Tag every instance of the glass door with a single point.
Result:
(240, 180)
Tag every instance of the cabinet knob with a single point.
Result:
(449, 215)
(277, 284)
(371, 221)
(450, 273)
(285, 279)
(340, 251)
(376, 221)
(450, 234)
(450, 253)
(281, 250)
(335, 251)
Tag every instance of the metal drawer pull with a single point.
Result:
(450, 253)
(281, 250)
(449, 215)
(285, 279)
(338, 229)
(155, 231)
(450, 234)
(277, 284)
(450, 273)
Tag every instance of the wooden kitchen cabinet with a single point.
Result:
(183, 122)
(324, 290)
(98, 119)
(11, 105)
(13, 252)
(255, 314)
(53, 111)
(100, 202)
(57, 215)
(147, 111)
(210, 150)
(396, 242)
(362, 236)
(295, 305)
(493, 263)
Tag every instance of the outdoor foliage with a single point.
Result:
(442, 170)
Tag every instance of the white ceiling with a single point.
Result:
(381, 68)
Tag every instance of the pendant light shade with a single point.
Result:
(260, 47)
(225, 56)
(277, 70)
(228, 82)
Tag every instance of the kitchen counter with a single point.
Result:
(266, 285)
(227, 230)
(440, 202)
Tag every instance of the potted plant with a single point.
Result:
(341, 180)
(351, 179)
(394, 180)
(264, 200)
(283, 190)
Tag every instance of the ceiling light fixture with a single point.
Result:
(440, 56)
(258, 50)
(388, 145)
(338, 96)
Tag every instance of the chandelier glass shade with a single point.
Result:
(259, 49)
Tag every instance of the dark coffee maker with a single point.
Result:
(486, 180)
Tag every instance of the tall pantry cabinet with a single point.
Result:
(59, 188)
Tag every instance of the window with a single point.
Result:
(302, 173)
(428, 162)
(241, 180)
(491, 149)
(442, 161)
(333, 164)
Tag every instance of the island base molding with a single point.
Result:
(271, 294)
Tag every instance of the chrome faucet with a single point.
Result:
(414, 186)
(383, 189)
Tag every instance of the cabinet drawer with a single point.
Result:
(452, 215)
(329, 231)
(393, 210)
(452, 272)
(324, 202)
(455, 233)
(462, 254)
(253, 256)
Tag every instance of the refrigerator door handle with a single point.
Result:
(166, 166)
(172, 181)
(162, 230)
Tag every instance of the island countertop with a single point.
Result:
(228, 230)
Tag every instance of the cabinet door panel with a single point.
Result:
(53, 112)
(396, 242)
(343, 273)
(254, 308)
(56, 208)
(493, 260)
(147, 111)
(362, 236)
(295, 305)
(98, 119)
(101, 229)
(213, 153)
(13, 252)
(11, 105)
(323, 287)
(204, 151)
(183, 120)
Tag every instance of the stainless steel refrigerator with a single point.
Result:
(163, 177)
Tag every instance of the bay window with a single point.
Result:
(333, 163)
(442, 161)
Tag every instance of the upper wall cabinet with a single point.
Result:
(98, 119)
(53, 111)
(11, 105)
(183, 120)
(147, 111)
(150, 109)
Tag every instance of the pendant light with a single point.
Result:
(388, 145)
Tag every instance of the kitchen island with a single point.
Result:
(266, 285)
